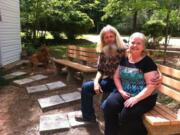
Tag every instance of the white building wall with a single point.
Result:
(10, 41)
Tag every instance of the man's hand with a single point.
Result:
(97, 88)
(157, 80)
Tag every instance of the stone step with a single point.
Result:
(14, 75)
(59, 122)
(72, 120)
(30, 79)
(57, 101)
(53, 123)
(45, 87)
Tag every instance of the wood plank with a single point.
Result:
(75, 66)
(166, 115)
(73, 55)
(74, 47)
(171, 82)
(92, 55)
(88, 59)
(87, 49)
(155, 120)
(169, 71)
(170, 92)
(87, 54)
(166, 109)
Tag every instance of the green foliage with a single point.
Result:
(53, 15)
(3, 82)
(29, 49)
(154, 28)
(128, 12)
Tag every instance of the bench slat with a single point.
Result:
(73, 47)
(171, 82)
(169, 71)
(156, 119)
(173, 120)
(87, 54)
(88, 59)
(76, 66)
(170, 92)
(166, 109)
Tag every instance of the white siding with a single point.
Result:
(10, 41)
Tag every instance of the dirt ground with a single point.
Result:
(20, 112)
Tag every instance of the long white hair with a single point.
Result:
(109, 28)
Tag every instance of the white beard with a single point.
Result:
(110, 50)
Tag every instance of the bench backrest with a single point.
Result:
(170, 82)
(83, 54)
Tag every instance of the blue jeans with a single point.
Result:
(87, 94)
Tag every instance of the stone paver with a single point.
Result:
(38, 77)
(55, 85)
(69, 97)
(50, 102)
(30, 79)
(72, 120)
(45, 87)
(57, 101)
(35, 89)
(18, 73)
(14, 74)
(23, 81)
(54, 123)
(79, 89)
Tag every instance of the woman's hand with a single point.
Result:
(97, 88)
(130, 102)
(125, 94)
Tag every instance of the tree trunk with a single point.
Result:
(166, 36)
(135, 21)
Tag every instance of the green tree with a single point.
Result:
(54, 15)
(124, 8)
(168, 6)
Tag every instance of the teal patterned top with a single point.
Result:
(132, 74)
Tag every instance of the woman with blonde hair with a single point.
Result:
(109, 57)
(135, 93)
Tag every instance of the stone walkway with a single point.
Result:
(57, 122)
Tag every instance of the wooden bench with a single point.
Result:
(161, 120)
(79, 59)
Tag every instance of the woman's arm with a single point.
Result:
(147, 91)
(117, 82)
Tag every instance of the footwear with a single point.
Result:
(80, 118)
